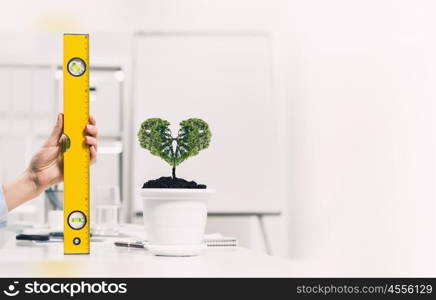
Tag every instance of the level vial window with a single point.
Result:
(76, 66)
(76, 220)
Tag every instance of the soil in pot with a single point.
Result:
(172, 183)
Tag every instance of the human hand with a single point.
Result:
(46, 166)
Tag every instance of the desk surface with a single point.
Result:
(106, 260)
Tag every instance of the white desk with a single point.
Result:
(106, 260)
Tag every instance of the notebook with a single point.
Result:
(218, 240)
(211, 240)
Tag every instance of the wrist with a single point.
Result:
(30, 180)
(21, 189)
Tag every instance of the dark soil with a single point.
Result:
(172, 183)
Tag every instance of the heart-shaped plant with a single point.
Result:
(194, 135)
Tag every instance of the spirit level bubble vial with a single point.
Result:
(76, 156)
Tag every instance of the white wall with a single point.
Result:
(361, 91)
(356, 79)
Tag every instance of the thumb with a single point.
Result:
(56, 134)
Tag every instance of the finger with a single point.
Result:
(91, 141)
(56, 133)
(92, 130)
(93, 153)
(92, 120)
(63, 142)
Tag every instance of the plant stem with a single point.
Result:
(174, 152)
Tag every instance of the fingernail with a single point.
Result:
(88, 126)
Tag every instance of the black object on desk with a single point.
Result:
(56, 236)
(33, 237)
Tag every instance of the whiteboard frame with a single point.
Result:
(278, 210)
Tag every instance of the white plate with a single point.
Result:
(176, 250)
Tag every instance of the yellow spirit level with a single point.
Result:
(76, 156)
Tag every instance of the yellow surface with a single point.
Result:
(76, 158)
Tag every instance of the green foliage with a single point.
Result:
(194, 135)
(155, 136)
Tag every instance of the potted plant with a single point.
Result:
(175, 210)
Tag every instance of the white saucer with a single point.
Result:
(176, 250)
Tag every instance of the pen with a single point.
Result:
(137, 244)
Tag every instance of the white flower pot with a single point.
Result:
(175, 220)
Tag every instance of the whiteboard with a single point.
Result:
(226, 80)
